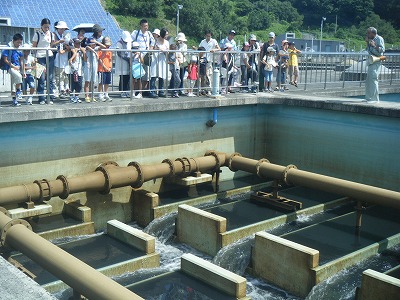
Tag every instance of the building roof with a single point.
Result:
(29, 13)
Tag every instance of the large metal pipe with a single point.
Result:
(291, 175)
(107, 176)
(81, 277)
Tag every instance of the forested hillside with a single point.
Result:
(345, 19)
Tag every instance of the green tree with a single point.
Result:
(385, 28)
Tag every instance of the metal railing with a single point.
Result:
(316, 71)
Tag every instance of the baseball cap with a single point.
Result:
(97, 28)
(232, 32)
(252, 37)
(271, 34)
(135, 45)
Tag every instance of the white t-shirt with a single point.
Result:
(28, 63)
(212, 44)
(61, 60)
(44, 42)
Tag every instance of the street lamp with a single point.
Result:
(320, 40)
(177, 17)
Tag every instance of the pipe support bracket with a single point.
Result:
(4, 230)
(137, 184)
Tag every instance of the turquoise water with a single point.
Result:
(390, 97)
(385, 97)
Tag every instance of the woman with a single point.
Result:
(45, 39)
(158, 67)
(181, 39)
(122, 63)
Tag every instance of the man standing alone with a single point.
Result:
(375, 47)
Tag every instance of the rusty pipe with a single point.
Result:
(78, 275)
(291, 175)
(107, 176)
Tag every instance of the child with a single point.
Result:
(105, 66)
(293, 63)
(76, 62)
(29, 80)
(137, 70)
(174, 60)
(203, 69)
(270, 63)
(192, 75)
(283, 57)
(244, 63)
(90, 69)
(14, 62)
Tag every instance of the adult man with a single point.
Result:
(211, 46)
(146, 42)
(13, 59)
(375, 47)
(229, 39)
(269, 43)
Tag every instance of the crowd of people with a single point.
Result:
(145, 61)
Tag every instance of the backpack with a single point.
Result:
(3, 65)
(137, 34)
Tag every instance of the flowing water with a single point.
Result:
(237, 257)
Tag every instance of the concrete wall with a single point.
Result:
(284, 263)
(353, 146)
(200, 229)
(376, 285)
(72, 145)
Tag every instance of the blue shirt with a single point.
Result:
(14, 57)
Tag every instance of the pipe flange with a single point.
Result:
(262, 160)
(4, 211)
(45, 192)
(197, 169)
(217, 162)
(171, 166)
(66, 190)
(285, 172)
(186, 168)
(107, 185)
(230, 161)
(107, 163)
(3, 233)
(140, 179)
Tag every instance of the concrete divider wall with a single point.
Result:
(131, 236)
(284, 263)
(200, 229)
(376, 285)
(143, 204)
(222, 279)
